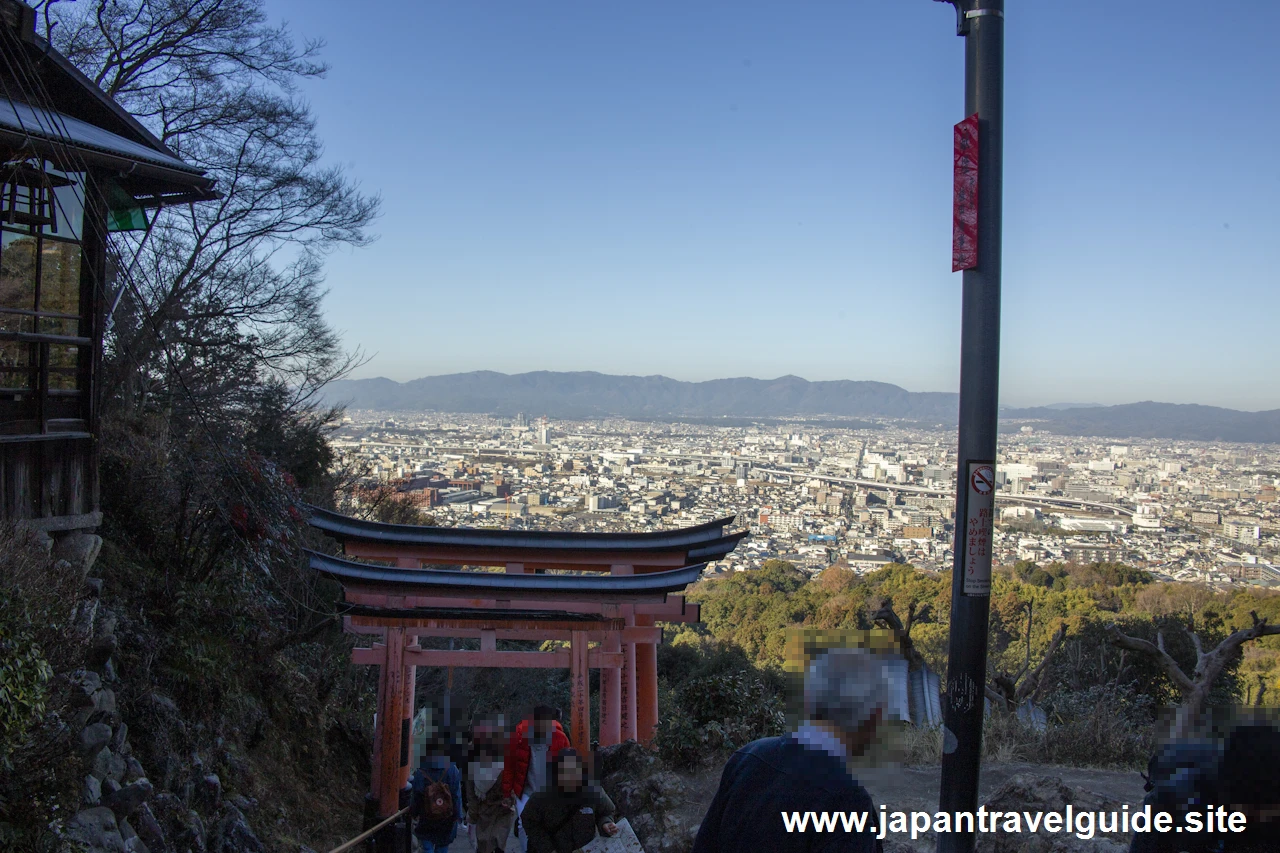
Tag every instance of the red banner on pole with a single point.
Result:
(964, 216)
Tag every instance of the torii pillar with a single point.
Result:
(639, 678)
(392, 735)
(411, 687)
(646, 691)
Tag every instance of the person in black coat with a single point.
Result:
(1239, 776)
(846, 697)
(565, 816)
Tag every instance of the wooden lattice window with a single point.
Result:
(44, 322)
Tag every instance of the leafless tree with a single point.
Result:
(234, 283)
(1195, 686)
(1008, 690)
(902, 633)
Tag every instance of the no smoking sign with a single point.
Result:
(978, 528)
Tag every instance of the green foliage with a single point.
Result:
(37, 597)
(39, 772)
(713, 698)
(1099, 724)
(24, 680)
(1103, 702)
(691, 654)
(711, 715)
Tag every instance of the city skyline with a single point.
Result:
(819, 495)
(761, 191)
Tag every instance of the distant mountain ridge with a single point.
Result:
(591, 394)
(582, 394)
(1185, 421)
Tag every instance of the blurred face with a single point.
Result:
(571, 774)
(542, 728)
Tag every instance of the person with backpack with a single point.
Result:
(435, 800)
(566, 815)
(1182, 776)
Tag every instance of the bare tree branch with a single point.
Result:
(1209, 666)
(901, 633)
(1033, 685)
(1156, 651)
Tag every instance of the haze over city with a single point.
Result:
(762, 189)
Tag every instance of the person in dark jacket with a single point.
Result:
(1183, 776)
(846, 697)
(565, 816)
(1251, 786)
(1239, 776)
(435, 835)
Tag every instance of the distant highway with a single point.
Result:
(1069, 503)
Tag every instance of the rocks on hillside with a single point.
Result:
(232, 834)
(94, 738)
(647, 796)
(1028, 792)
(80, 550)
(122, 810)
(96, 830)
(628, 756)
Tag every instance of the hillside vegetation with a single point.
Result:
(1103, 704)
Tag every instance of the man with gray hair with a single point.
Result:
(846, 696)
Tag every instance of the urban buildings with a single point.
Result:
(817, 494)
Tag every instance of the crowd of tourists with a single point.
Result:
(523, 792)
(530, 792)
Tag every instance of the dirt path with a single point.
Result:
(916, 788)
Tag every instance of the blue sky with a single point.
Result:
(708, 189)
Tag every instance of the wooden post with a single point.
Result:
(406, 729)
(374, 787)
(405, 752)
(627, 695)
(646, 673)
(610, 694)
(580, 689)
(390, 724)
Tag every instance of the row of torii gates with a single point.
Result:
(605, 610)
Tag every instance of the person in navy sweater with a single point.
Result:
(846, 696)
(435, 799)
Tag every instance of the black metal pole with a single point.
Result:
(981, 22)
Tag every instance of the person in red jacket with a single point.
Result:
(531, 749)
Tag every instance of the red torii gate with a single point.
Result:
(404, 601)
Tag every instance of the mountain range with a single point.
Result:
(583, 394)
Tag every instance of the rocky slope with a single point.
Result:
(122, 810)
(264, 767)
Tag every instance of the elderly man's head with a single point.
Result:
(848, 690)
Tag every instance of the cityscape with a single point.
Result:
(817, 494)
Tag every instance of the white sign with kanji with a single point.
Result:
(979, 524)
